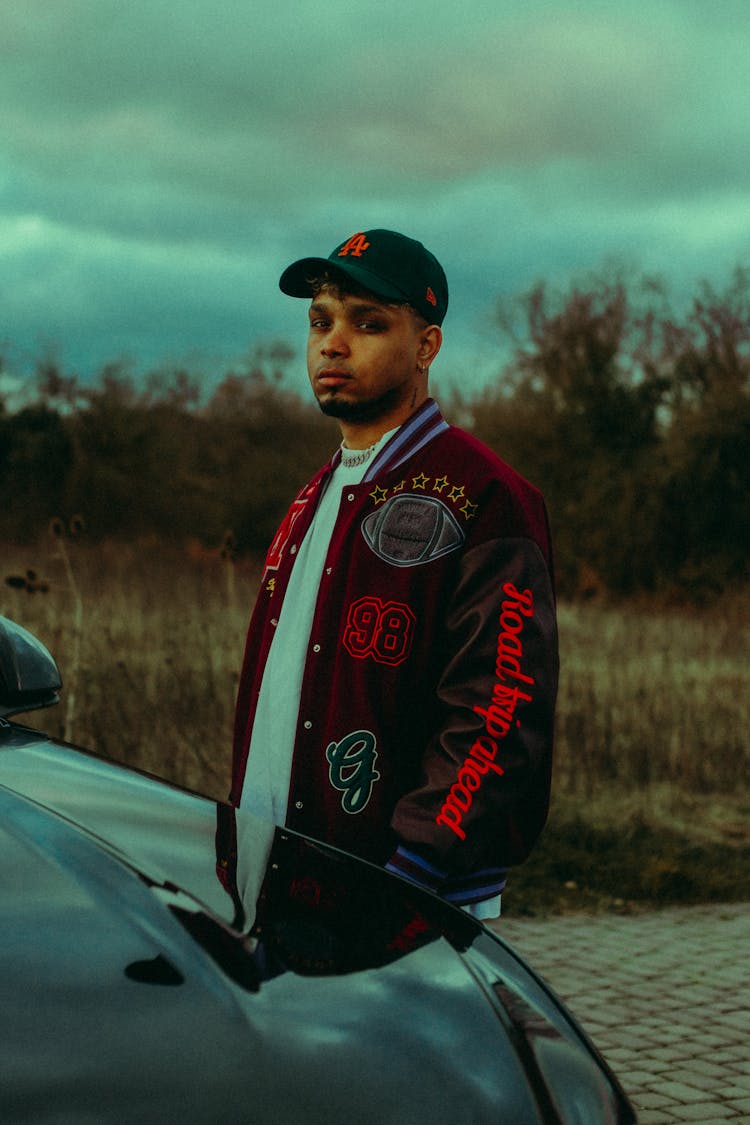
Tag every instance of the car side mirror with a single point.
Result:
(29, 676)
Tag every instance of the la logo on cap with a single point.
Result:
(356, 246)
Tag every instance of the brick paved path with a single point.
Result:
(664, 995)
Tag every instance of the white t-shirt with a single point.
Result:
(266, 786)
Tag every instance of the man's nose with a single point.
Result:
(335, 343)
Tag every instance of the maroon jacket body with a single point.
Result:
(424, 738)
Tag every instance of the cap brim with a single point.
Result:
(296, 279)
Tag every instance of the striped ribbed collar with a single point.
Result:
(420, 428)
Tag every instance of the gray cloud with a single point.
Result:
(161, 163)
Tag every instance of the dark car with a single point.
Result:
(167, 959)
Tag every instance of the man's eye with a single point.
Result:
(318, 323)
(372, 326)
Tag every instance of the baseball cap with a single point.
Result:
(386, 263)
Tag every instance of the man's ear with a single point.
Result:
(429, 344)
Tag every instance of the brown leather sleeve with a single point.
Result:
(485, 794)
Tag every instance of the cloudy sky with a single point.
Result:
(162, 162)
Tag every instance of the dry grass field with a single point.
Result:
(651, 796)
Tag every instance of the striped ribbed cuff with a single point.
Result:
(417, 870)
(463, 890)
(469, 889)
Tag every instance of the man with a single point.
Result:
(400, 674)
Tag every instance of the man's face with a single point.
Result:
(364, 356)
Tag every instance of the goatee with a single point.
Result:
(367, 411)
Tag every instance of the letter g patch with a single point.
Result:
(352, 769)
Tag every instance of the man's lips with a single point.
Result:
(332, 377)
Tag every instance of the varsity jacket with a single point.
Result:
(424, 737)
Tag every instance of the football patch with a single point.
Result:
(409, 530)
